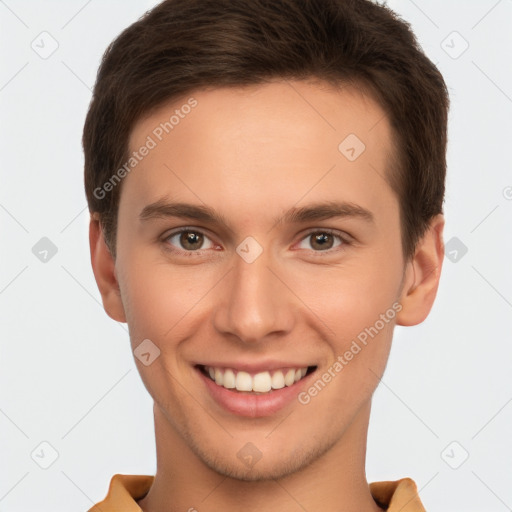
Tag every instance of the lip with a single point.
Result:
(252, 405)
(253, 368)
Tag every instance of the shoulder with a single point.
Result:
(397, 495)
(123, 492)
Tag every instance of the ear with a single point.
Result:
(422, 273)
(103, 266)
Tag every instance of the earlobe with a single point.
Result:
(103, 266)
(422, 276)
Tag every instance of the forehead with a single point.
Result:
(277, 139)
(280, 108)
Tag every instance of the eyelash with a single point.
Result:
(340, 235)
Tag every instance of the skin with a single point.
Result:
(251, 154)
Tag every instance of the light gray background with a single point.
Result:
(67, 376)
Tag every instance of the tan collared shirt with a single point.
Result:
(395, 496)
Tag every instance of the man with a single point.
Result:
(265, 180)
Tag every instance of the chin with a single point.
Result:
(260, 472)
(270, 466)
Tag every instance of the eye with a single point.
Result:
(323, 240)
(188, 240)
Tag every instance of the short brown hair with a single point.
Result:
(184, 45)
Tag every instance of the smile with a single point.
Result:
(261, 382)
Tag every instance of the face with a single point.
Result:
(259, 248)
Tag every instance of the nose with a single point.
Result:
(253, 303)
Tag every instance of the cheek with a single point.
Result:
(159, 298)
(159, 303)
(155, 306)
(355, 306)
(360, 321)
(348, 298)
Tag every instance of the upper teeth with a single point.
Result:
(260, 382)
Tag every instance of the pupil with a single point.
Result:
(189, 238)
(320, 239)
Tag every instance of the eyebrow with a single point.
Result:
(296, 215)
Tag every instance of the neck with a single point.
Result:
(334, 481)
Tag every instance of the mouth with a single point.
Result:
(254, 392)
(259, 383)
